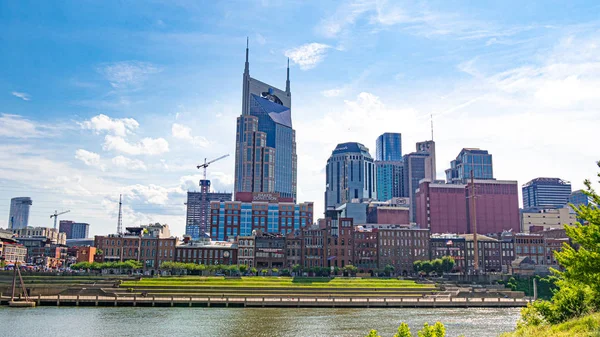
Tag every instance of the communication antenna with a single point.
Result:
(120, 218)
(431, 117)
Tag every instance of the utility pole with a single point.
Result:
(474, 225)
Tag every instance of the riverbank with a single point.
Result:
(586, 326)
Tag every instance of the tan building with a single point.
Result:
(39, 232)
(10, 250)
(547, 218)
(246, 251)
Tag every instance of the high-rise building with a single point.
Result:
(428, 147)
(414, 172)
(74, 230)
(546, 192)
(350, 174)
(578, 198)
(390, 179)
(194, 226)
(265, 156)
(389, 147)
(470, 159)
(19, 212)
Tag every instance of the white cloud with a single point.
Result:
(308, 55)
(117, 126)
(147, 146)
(16, 126)
(87, 157)
(128, 163)
(183, 132)
(331, 92)
(127, 73)
(22, 95)
(260, 39)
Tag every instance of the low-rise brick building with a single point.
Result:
(207, 252)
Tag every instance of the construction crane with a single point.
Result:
(205, 165)
(204, 189)
(55, 216)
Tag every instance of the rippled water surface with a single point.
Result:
(259, 322)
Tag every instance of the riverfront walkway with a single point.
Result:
(299, 302)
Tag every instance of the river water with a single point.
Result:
(255, 322)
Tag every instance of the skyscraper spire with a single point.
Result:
(287, 82)
(247, 65)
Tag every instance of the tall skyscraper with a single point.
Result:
(390, 179)
(578, 198)
(19, 212)
(428, 147)
(265, 156)
(470, 159)
(193, 219)
(350, 174)
(414, 172)
(389, 147)
(546, 192)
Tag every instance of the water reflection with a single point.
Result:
(258, 322)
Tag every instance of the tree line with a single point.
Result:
(439, 266)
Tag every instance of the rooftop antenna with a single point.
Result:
(431, 117)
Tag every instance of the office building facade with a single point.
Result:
(74, 230)
(470, 160)
(428, 147)
(265, 157)
(267, 212)
(389, 147)
(546, 192)
(414, 172)
(350, 175)
(19, 212)
(193, 219)
(390, 179)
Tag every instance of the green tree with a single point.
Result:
(254, 271)
(426, 267)
(275, 271)
(447, 264)
(436, 330)
(403, 331)
(350, 269)
(264, 272)
(296, 268)
(437, 266)
(99, 251)
(243, 269)
(417, 266)
(389, 270)
(373, 333)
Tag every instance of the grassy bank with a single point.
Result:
(274, 282)
(587, 326)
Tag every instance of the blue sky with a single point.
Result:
(102, 98)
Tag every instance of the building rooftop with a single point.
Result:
(547, 181)
(351, 147)
(480, 237)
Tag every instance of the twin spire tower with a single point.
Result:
(265, 156)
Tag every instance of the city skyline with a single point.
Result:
(102, 105)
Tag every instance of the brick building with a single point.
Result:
(293, 249)
(445, 208)
(490, 256)
(152, 245)
(10, 250)
(269, 250)
(366, 257)
(313, 243)
(401, 246)
(451, 245)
